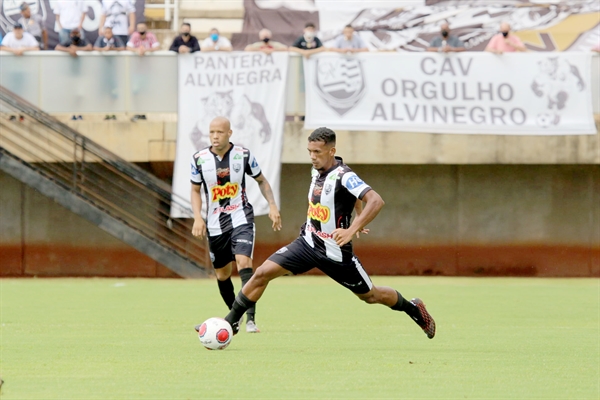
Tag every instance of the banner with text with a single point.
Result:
(478, 93)
(248, 89)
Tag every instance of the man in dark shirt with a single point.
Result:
(185, 42)
(109, 41)
(74, 44)
(308, 44)
(446, 42)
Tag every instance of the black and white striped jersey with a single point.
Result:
(331, 199)
(223, 186)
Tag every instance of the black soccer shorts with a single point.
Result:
(298, 257)
(224, 247)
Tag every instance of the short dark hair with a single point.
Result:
(322, 134)
(187, 24)
(349, 26)
(310, 25)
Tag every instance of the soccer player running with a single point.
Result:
(219, 170)
(325, 238)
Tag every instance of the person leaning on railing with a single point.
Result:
(349, 42)
(185, 42)
(216, 42)
(266, 45)
(308, 44)
(18, 42)
(142, 41)
(74, 44)
(505, 41)
(446, 43)
(108, 42)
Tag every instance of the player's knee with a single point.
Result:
(221, 274)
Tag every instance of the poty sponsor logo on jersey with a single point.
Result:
(226, 209)
(226, 191)
(353, 182)
(318, 212)
(254, 163)
(194, 170)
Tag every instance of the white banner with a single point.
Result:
(248, 89)
(478, 93)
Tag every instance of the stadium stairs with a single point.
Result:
(90, 181)
(227, 16)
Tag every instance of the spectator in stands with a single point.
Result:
(266, 45)
(120, 15)
(74, 44)
(185, 42)
(446, 43)
(109, 41)
(216, 42)
(505, 42)
(69, 15)
(308, 44)
(34, 24)
(142, 41)
(349, 42)
(18, 41)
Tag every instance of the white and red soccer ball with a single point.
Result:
(215, 334)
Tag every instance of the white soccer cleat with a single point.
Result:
(251, 327)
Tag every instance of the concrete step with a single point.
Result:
(226, 26)
(229, 9)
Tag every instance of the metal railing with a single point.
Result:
(126, 83)
(120, 189)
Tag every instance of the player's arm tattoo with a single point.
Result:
(266, 190)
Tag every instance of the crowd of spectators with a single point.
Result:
(118, 31)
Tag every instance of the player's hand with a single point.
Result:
(275, 217)
(199, 228)
(342, 236)
(363, 230)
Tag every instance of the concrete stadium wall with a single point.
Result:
(476, 220)
(38, 237)
(466, 220)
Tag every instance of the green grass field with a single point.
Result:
(133, 338)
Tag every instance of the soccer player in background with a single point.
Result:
(219, 170)
(325, 238)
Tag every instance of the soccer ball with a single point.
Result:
(215, 334)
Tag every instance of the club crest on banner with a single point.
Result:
(556, 82)
(340, 83)
(248, 118)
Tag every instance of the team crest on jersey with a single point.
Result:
(318, 212)
(237, 167)
(227, 191)
(222, 172)
(328, 188)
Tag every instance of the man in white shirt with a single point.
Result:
(215, 42)
(120, 15)
(18, 42)
(69, 15)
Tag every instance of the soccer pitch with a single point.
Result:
(134, 338)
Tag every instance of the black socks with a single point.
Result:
(240, 306)
(409, 308)
(227, 292)
(245, 275)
